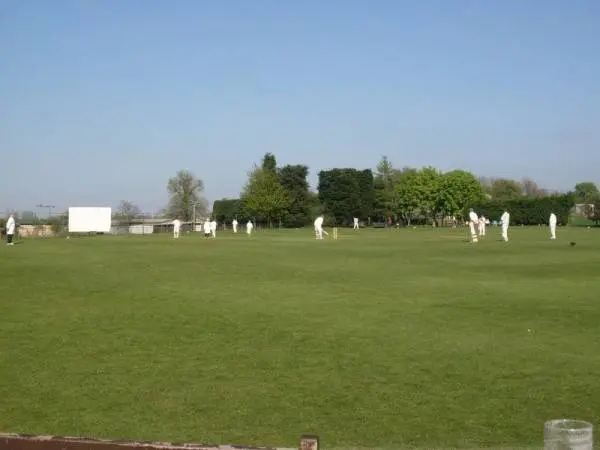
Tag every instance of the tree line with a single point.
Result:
(281, 196)
(407, 196)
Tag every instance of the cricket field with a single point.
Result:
(381, 339)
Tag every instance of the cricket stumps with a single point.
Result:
(335, 233)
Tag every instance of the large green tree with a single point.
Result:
(293, 178)
(408, 190)
(385, 187)
(339, 192)
(586, 192)
(185, 191)
(505, 189)
(269, 163)
(366, 189)
(227, 209)
(264, 196)
(429, 183)
(458, 189)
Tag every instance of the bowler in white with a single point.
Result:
(176, 228)
(504, 222)
(552, 224)
(473, 222)
(482, 226)
(234, 224)
(10, 230)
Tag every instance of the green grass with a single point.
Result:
(581, 221)
(384, 338)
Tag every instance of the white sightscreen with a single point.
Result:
(89, 219)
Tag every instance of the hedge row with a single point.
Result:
(529, 211)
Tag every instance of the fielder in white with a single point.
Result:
(176, 228)
(10, 230)
(473, 220)
(249, 227)
(206, 228)
(213, 228)
(234, 224)
(552, 224)
(356, 223)
(482, 226)
(319, 231)
(504, 222)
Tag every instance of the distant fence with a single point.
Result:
(156, 228)
(35, 231)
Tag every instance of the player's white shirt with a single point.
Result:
(473, 217)
(319, 222)
(213, 225)
(249, 225)
(234, 223)
(552, 219)
(10, 225)
(177, 224)
(207, 227)
(505, 219)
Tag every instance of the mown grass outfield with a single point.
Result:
(384, 338)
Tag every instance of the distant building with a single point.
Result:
(582, 208)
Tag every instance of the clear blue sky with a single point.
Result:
(103, 100)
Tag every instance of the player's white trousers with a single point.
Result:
(473, 233)
(319, 232)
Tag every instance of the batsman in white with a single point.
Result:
(473, 220)
(552, 224)
(234, 224)
(504, 222)
(10, 230)
(319, 231)
(482, 226)
(249, 227)
(356, 223)
(176, 228)
(206, 228)
(213, 228)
